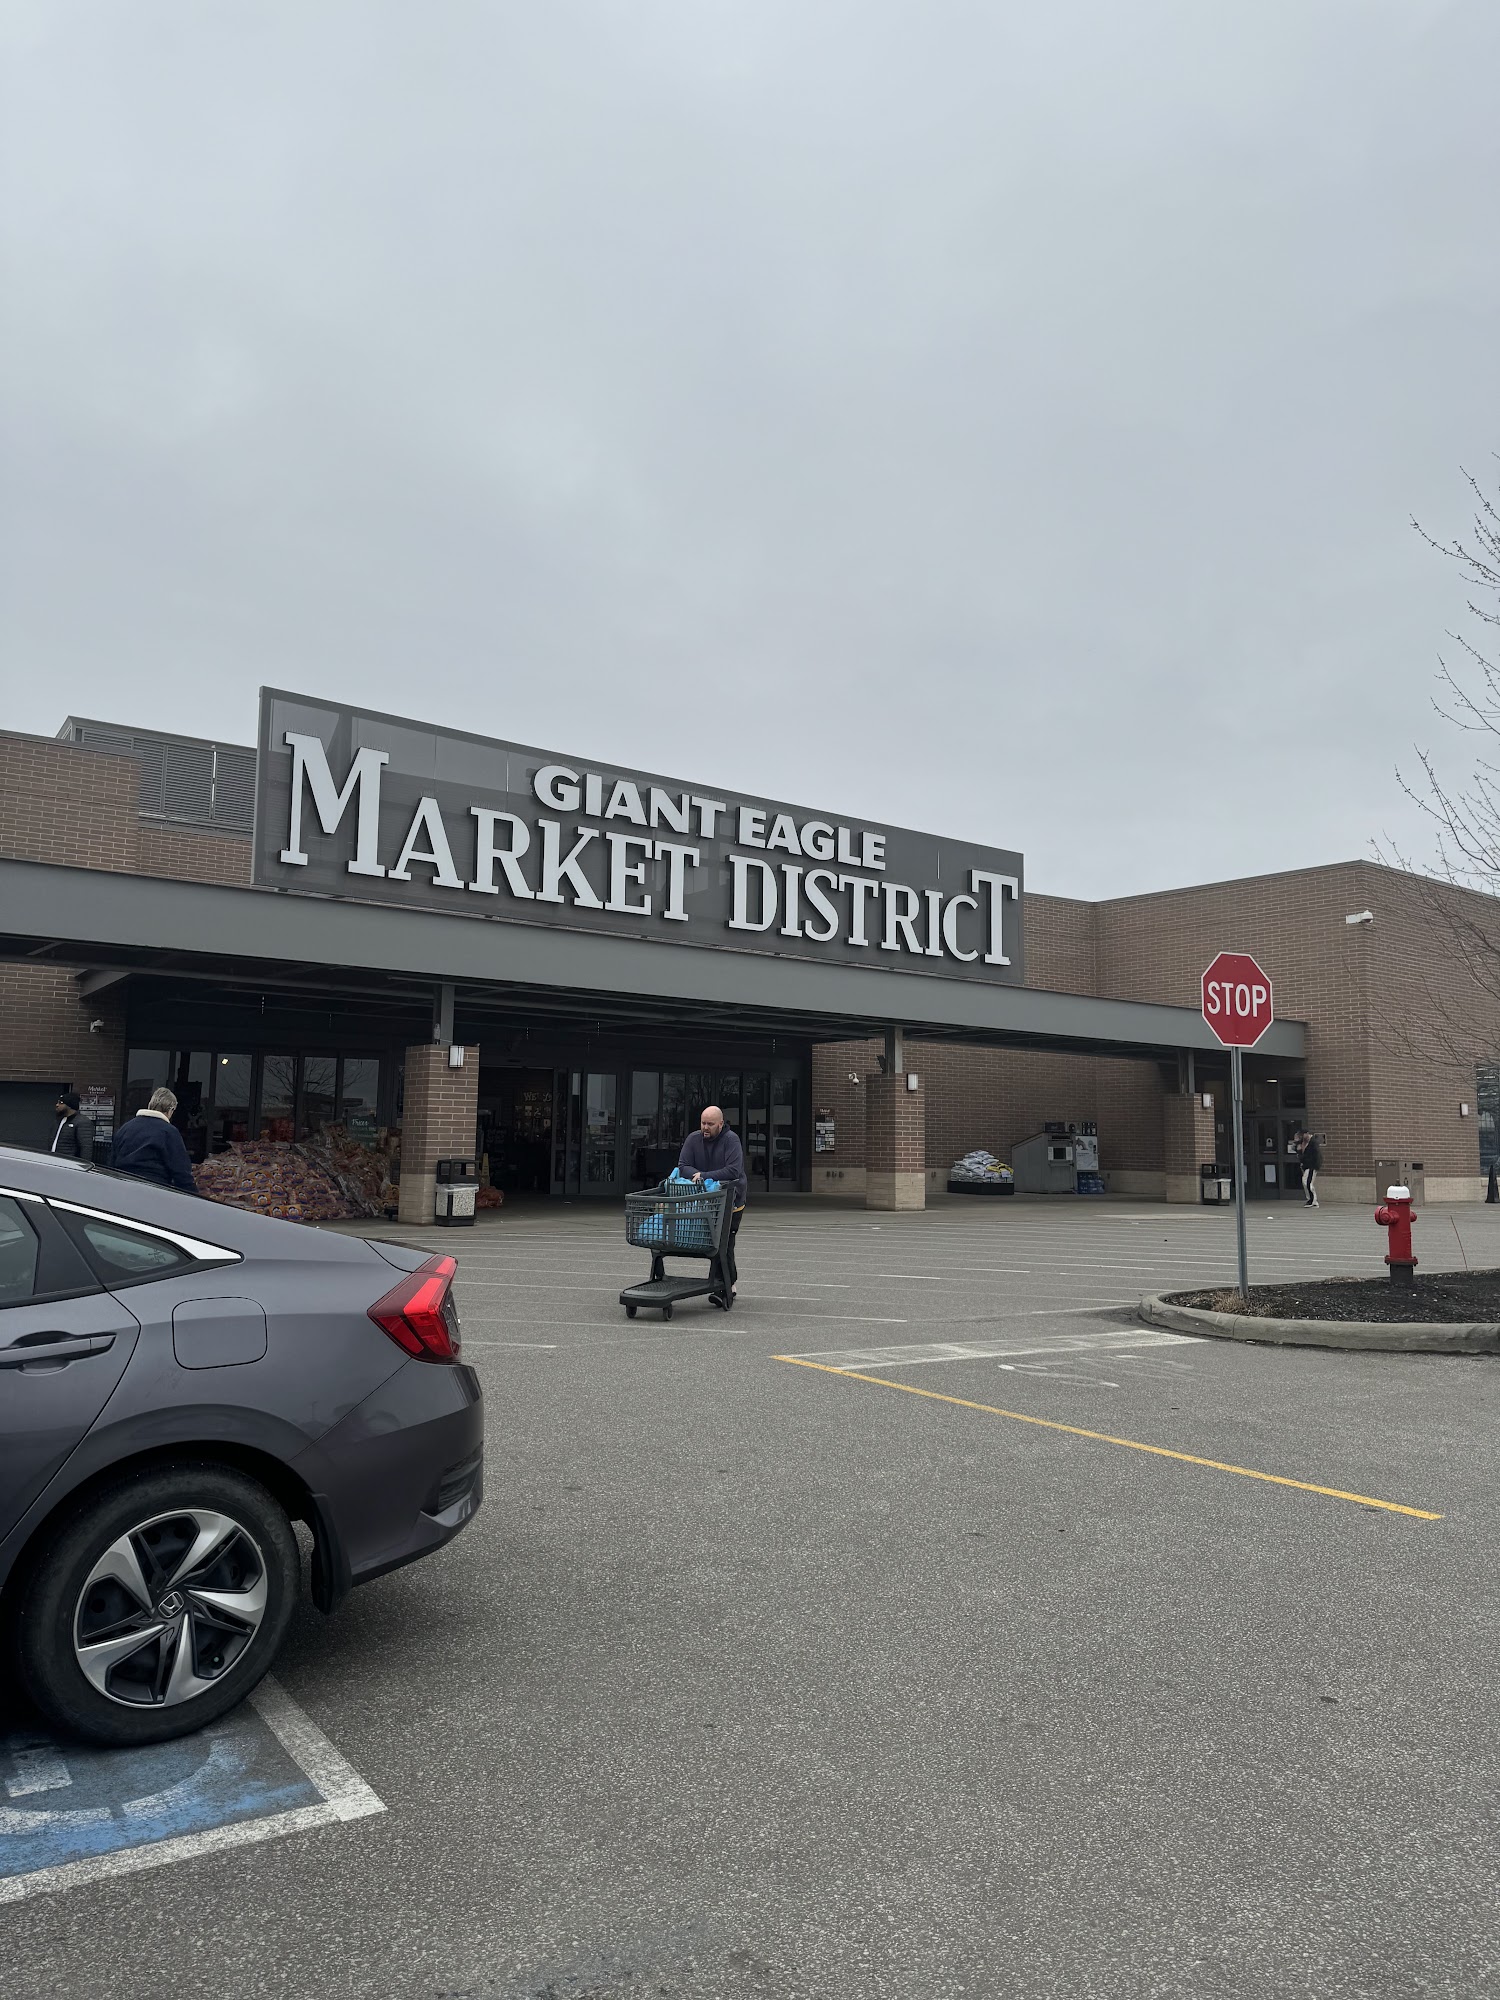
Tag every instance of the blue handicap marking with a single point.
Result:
(62, 1801)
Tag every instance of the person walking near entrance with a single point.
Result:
(1312, 1160)
(714, 1153)
(67, 1140)
(151, 1147)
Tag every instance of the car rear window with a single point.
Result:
(123, 1255)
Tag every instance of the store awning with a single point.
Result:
(311, 946)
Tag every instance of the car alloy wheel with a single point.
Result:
(169, 1607)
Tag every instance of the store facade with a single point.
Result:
(296, 938)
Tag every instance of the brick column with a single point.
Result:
(438, 1116)
(1187, 1136)
(895, 1143)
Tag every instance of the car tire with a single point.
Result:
(197, 1564)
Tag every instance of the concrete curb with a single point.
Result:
(1371, 1336)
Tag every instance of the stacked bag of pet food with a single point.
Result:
(326, 1178)
(271, 1179)
(980, 1172)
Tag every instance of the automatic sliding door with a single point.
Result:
(756, 1134)
(567, 1131)
(785, 1166)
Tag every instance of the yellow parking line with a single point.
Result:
(1103, 1437)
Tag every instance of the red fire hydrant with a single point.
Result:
(1395, 1215)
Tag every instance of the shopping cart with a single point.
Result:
(679, 1219)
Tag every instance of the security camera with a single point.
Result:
(852, 1077)
(1361, 917)
(96, 1027)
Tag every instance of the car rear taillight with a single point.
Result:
(419, 1313)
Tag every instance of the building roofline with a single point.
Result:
(71, 722)
(1247, 881)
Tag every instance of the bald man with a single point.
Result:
(713, 1153)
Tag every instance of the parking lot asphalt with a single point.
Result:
(755, 1677)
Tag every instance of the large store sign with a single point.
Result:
(356, 804)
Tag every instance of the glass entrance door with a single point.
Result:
(761, 1109)
(756, 1135)
(1263, 1158)
(1273, 1167)
(586, 1149)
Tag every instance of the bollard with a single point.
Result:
(1395, 1215)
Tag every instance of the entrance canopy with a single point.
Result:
(391, 961)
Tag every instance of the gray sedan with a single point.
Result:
(179, 1383)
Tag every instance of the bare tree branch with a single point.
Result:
(1465, 818)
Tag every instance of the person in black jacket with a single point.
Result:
(150, 1146)
(714, 1153)
(67, 1140)
(1312, 1160)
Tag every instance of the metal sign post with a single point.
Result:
(1237, 1091)
(1237, 1005)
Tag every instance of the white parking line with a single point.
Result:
(1065, 1345)
(39, 1768)
(345, 1796)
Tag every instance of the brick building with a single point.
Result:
(140, 946)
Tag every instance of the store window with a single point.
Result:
(229, 1115)
(673, 1127)
(1487, 1119)
(645, 1118)
(727, 1097)
(701, 1092)
(783, 1133)
(278, 1097)
(757, 1127)
(191, 1082)
(359, 1098)
(760, 1109)
(599, 1128)
(145, 1070)
(320, 1094)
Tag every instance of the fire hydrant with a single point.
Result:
(1395, 1215)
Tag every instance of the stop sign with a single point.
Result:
(1237, 999)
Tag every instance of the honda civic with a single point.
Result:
(180, 1383)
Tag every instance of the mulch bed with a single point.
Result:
(1472, 1296)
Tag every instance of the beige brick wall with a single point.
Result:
(1395, 1020)
(184, 854)
(73, 807)
(993, 1097)
(440, 1109)
(70, 806)
(44, 1030)
(1061, 944)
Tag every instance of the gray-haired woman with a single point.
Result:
(151, 1147)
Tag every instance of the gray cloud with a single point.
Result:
(1001, 420)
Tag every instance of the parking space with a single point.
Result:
(951, 1652)
(74, 1815)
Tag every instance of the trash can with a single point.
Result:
(1216, 1183)
(453, 1194)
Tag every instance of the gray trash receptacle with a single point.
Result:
(453, 1193)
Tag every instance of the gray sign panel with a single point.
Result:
(356, 804)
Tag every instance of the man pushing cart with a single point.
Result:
(714, 1153)
(694, 1214)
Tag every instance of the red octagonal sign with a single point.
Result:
(1237, 999)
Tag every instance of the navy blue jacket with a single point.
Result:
(153, 1150)
(718, 1159)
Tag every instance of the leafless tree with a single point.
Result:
(1468, 820)
(1465, 817)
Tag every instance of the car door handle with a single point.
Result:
(54, 1347)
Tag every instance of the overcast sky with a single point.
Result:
(1001, 419)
